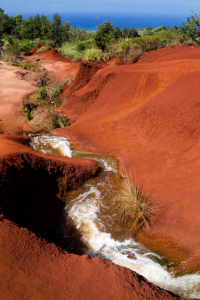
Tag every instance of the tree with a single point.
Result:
(157, 29)
(56, 34)
(129, 32)
(65, 32)
(104, 35)
(45, 27)
(6, 23)
(192, 26)
(133, 32)
(117, 33)
(189, 28)
(125, 32)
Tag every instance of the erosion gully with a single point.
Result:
(89, 218)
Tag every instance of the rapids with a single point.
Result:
(88, 209)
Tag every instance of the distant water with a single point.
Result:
(91, 20)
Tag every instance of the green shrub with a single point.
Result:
(26, 46)
(93, 54)
(5, 41)
(81, 47)
(41, 94)
(12, 52)
(70, 51)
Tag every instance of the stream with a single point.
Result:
(89, 210)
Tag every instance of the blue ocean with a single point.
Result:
(92, 20)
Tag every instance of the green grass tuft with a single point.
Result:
(132, 206)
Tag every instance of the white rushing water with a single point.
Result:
(85, 212)
(47, 144)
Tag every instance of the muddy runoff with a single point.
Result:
(90, 220)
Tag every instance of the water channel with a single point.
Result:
(89, 209)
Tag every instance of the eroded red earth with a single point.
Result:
(147, 114)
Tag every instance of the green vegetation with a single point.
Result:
(11, 52)
(104, 35)
(126, 44)
(40, 108)
(30, 66)
(43, 49)
(38, 29)
(132, 207)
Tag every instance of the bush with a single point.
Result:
(70, 51)
(93, 54)
(12, 52)
(81, 47)
(132, 207)
(26, 46)
(41, 94)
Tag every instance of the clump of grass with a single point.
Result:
(93, 54)
(30, 66)
(132, 206)
(10, 56)
(43, 48)
(69, 50)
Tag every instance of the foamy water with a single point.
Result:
(85, 211)
(51, 145)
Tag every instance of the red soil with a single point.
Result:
(31, 267)
(25, 179)
(52, 60)
(15, 84)
(148, 115)
(34, 269)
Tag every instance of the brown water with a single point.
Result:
(89, 219)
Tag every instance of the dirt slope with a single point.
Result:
(53, 61)
(34, 269)
(148, 115)
(14, 85)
